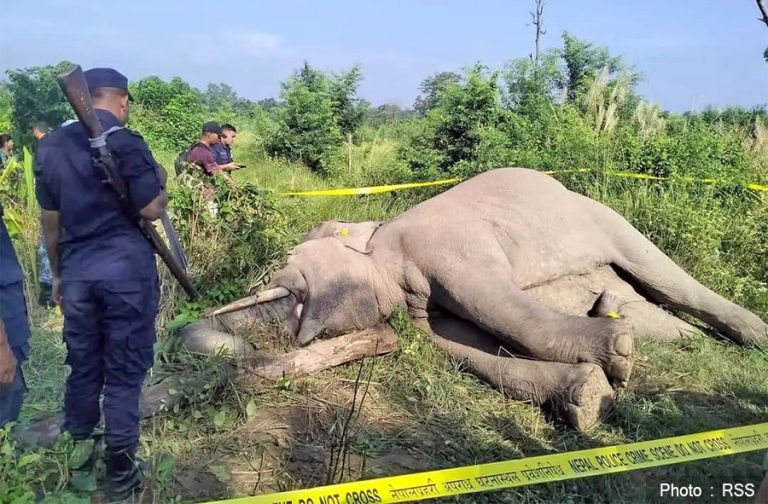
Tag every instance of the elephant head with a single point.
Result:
(326, 287)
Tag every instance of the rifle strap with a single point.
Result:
(101, 140)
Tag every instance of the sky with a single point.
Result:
(692, 53)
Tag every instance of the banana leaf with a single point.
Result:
(29, 182)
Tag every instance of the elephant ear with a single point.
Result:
(357, 236)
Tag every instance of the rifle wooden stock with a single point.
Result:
(75, 88)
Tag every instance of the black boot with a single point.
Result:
(126, 474)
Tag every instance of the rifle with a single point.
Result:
(72, 82)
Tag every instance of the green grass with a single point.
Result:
(421, 411)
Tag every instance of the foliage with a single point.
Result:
(432, 88)
(348, 109)
(732, 116)
(388, 114)
(583, 60)
(531, 85)
(221, 97)
(168, 114)
(35, 95)
(319, 110)
(6, 108)
(25, 475)
(231, 238)
(307, 132)
(451, 132)
(17, 190)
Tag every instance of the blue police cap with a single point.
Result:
(106, 77)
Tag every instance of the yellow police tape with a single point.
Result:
(352, 191)
(529, 471)
(371, 190)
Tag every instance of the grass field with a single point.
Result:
(421, 411)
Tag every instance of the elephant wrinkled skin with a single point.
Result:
(541, 290)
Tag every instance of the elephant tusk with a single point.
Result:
(262, 297)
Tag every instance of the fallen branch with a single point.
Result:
(326, 354)
(166, 394)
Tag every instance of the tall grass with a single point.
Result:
(17, 188)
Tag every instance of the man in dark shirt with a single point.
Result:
(14, 329)
(104, 274)
(222, 151)
(202, 153)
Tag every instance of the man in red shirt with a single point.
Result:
(202, 153)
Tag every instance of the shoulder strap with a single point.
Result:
(113, 129)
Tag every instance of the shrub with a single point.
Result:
(231, 238)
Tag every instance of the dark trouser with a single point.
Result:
(109, 329)
(12, 395)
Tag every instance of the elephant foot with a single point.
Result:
(586, 397)
(749, 330)
(613, 349)
(607, 305)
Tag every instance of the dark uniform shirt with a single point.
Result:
(97, 241)
(222, 153)
(13, 308)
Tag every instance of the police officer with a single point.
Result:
(104, 274)
(14, 329)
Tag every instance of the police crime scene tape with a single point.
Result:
(353, 191)
(528, 471)
(371, 190)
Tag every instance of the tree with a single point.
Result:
(386, 113)
(218, 96)
(6, 109)
(583, 61)
(307, 130)
(452, 129)
(318, 111)
(36, 95)
(168, 114)
(349, 110)
(530, 84)
(431, 89)
(538, 22)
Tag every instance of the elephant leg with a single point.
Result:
(601, 291)
(579, 393)
(489, 299)
(667, 283)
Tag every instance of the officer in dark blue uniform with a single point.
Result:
(105, 275)
(14, 329)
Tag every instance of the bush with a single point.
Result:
(168, 114)
(231, 238)
(307, 132)
(318, 114)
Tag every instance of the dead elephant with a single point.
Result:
(541, 290)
